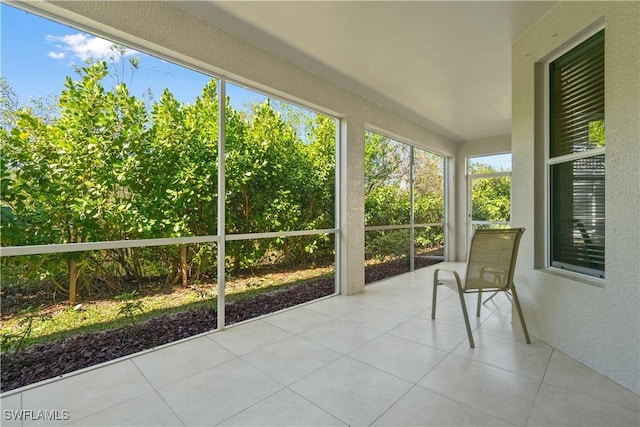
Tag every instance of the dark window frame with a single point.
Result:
(576, 159)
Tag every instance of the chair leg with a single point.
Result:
(435, 290)
(491, 297)
(466, 320)
(519, 309)
(479, 302)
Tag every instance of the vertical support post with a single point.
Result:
(222, 106)
(412, 219)
(448, 194)
(337, 199)
(351, 265)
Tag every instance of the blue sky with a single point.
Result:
(501, 162)
(37, 55)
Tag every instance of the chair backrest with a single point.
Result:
(492, 258)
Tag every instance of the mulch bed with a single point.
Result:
(49, 360)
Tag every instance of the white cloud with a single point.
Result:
(83, 46)
(58, 55)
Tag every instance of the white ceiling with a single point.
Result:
(445, 65)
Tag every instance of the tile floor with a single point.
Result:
(375, 358)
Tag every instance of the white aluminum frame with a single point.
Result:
(447, 210)
(470, 221)
(222, 247)
(412, 199)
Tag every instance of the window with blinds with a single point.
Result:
(576, 159)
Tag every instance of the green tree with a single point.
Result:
(179, 178)
(107, 166)
(490, 197)
(321, 152)
(387, 195)
(8, 105)
(262, 168)
(65, 181)
(385, 162)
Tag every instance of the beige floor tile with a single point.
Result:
(377, 317)
(242, 339)
(373, 294)
(565, 372)
(419, 293)
(451, 314)
(455, 266)
(284, 408)
(401, 281)
(291, 359)
(175, 362)
(218, 393)
(11, 415)
(421, 280)
(530, 360)
(501, 325)
(470, 299)
(146, 410)
(429, 332)
(415, 281)
(493, 301)
(563, 407)
(406, 304)
(89, 392)
(505, 308)
(355, 393)
(342, 336)
(337, 306)
(406, 280)
(420, 407)
(298, 320)
(405, 359)
(495, 392)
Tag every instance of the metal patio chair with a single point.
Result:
(490, 267)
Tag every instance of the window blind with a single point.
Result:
(577, 217)
(577, 94)
(577, 184)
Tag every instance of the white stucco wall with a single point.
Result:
(597, 325)
(479, 147)
(162, 29)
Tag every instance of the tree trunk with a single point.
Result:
(73, 281)
(183, 264)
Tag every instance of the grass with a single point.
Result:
(60, 320)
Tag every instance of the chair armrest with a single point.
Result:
(437, 281)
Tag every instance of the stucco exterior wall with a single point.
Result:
(595, 323)
(162, 29)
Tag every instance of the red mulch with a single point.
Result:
(49, 360)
